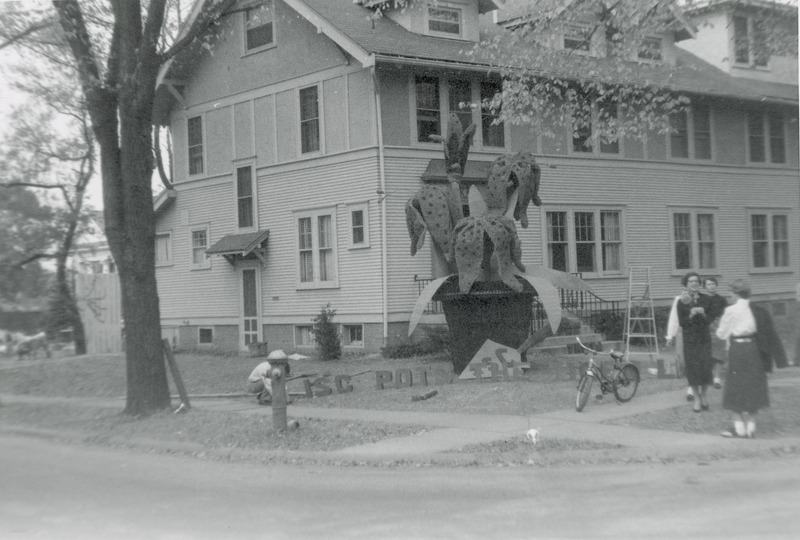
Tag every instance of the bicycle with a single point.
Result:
(623, 382)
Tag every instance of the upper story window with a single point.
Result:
(651, 49)
(199, 247)
(492, 131)
(694, 240)
(436, 98)
(766, 137)
(195, 143)
(769, 237)
(584, 138)
(691, 133)
(309, 120)
(428, 108)
(577, 37)
(163, 249)
(259, 32)
(586, 241)
(316, 248)
(750, 42)
(245, 197)
(445, 21)
(459, 96)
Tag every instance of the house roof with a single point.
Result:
(389, 42)
(239, 244)
(383, 41)
(474, 171)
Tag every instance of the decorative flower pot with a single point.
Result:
(491, 310)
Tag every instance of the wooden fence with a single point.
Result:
(100, 306)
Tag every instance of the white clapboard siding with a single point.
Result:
(211, 292)
(283, 193)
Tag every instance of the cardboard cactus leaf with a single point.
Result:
(486, 291)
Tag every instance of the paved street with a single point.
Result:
(69, 491)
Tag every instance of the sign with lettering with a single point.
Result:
(496, 362)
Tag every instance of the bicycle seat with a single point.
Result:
(616, 355)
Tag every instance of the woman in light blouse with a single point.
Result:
(752, 349)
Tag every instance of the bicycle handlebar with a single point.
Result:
(611, 353)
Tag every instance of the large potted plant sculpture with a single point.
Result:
(485, 290)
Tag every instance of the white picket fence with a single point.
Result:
(100, 306)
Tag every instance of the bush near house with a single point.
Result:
(329, 343)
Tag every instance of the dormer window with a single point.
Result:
(259, 32)
(650, 49)
(749, 42)
(577, 37)
(444, 21)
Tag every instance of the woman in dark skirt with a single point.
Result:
(752, 338)
(692, 308)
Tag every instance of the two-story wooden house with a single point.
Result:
(302, 131)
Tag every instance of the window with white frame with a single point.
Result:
(586, 241)
(444, 20)
(205, 336)
(690, 137)
(492, 130)
(316, 248)
(259, 30)
(766, 137)
(309, 120)
(585, 139)
(428, 108)
(459, 97)
(769, 237)
(353, 335)
(577, 37)
(750, 42)
(163, 249)
(650, 49)
(199, 238)
(195, 144)
(245, 200)
(359, 225)
(694, 239)
(304, 336)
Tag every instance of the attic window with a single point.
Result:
(650, 49)
(577, 37)
(258, 26)
(444, 20)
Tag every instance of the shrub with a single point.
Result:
(437, 339)
(610, 323)
(329, 343)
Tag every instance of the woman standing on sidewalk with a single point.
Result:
(754, 345)
(694, 322)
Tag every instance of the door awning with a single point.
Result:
(474, 171)
(241, 246)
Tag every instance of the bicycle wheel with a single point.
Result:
(626, 382)
(584, 390)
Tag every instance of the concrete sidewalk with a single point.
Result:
(449, 433)
(454, 431)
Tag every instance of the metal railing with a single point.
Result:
(433, 307)
(605, 316)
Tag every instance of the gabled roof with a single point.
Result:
(383, 41)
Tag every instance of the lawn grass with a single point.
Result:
(548, 386)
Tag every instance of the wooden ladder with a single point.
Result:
(640, 321)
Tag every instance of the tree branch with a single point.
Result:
(210, 13)
(32, 29)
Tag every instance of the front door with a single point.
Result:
(250, 329)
